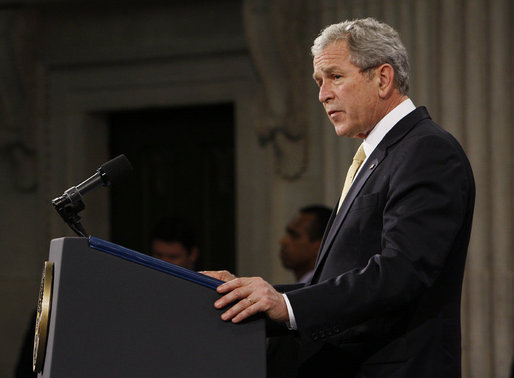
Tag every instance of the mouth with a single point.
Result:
(333, 112)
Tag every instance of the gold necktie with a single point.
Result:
(359, 157)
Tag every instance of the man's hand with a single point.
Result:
(252, 295)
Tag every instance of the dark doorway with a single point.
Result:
(183, 161)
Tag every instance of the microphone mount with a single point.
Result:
(68, 206)
(71, 202)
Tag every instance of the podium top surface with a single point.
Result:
(153, 263)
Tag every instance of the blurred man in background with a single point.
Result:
(300, 244)
(299, 248)
(173, 240)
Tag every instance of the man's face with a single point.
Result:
(174, 252)
(350, 98)
(297, 251)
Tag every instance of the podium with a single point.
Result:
(114, 312)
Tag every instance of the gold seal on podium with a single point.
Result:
(43, 317)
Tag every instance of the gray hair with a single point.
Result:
(371, 43)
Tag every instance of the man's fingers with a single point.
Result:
(223, 275)
(246, 313)
(236, 309)
(241, 310)
(231, 285)
(234, 293)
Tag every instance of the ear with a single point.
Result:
(193, 254)
(384, 75)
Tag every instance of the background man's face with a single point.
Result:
(297, 251)
(174, 252)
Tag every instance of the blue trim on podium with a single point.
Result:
(152, 262)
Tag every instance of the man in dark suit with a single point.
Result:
(384, 300)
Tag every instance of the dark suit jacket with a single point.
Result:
(385, 297)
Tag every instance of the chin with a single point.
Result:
(341, 131)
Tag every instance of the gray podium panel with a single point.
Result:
(111, 317)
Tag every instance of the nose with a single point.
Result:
(325, 93)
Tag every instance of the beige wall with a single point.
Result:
(65, 66)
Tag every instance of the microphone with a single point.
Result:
(70, 203)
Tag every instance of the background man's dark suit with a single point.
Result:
(387, 285)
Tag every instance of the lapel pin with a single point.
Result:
(372, 166)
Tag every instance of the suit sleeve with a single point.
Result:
(426, 201)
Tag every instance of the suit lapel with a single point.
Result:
(378, 155)
(367, 170)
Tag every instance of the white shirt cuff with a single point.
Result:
(291, 324)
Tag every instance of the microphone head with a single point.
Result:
(115, 170)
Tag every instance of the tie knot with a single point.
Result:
(360, 155)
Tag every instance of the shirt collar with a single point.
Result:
(386, 124)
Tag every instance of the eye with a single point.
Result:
(293, 234)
